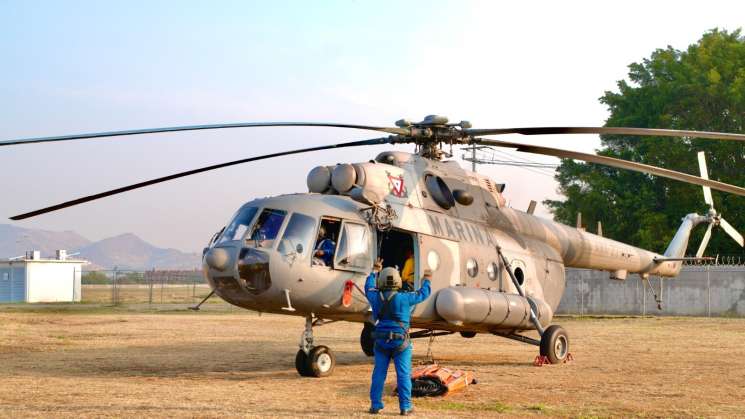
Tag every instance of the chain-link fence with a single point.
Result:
(150, 288)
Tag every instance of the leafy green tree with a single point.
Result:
(94, 277)
(701, 88)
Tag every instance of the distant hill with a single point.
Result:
(15, 241)
(126, 251)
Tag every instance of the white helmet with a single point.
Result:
(389, 278)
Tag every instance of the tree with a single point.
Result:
(701, 88)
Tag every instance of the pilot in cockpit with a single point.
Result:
(325, 248)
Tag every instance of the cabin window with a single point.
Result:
(433, 260)
(472, 267)
(353, 252)
(520, 276)
(267, 227)
(298, 236)
(491, 271)
(238, 227)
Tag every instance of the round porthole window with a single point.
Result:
(439, 191)
(472, 268)
(433, 260)
(491, 271)
(520, 276)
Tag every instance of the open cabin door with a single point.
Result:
(442, 256)
(354, 251)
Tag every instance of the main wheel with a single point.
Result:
(321, 361)
(555, 344)
(468, 334)
(301, 364)
(366, 339)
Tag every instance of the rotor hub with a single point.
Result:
(431, 133)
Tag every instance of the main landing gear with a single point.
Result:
(554, 343)
(310, 360)
(367, 342)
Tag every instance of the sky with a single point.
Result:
(84, 66)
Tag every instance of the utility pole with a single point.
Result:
(473, 157)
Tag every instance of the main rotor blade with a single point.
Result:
(704, 241)
(613, 162)
(390, 130)
(89, 198)
(705, 174)
(609, 130)
(732, 232)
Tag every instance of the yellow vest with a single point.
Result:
(407, 274)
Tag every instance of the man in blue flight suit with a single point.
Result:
(324, 253)
(391, 309)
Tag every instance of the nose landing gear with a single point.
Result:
(310, 360)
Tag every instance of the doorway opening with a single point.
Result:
(396, 248)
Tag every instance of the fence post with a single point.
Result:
(114, 290)
(150, 288)
(708, 292)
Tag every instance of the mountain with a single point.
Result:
(126, 251)
(15, 241)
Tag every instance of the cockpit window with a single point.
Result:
(325, 247)
(354, 248)
(298, 236)
(237, 228)
(267, 227)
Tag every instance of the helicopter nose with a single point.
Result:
(217, 258)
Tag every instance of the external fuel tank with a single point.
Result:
(463, 306)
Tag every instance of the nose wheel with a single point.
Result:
(310, 360)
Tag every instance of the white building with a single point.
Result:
(31, 279)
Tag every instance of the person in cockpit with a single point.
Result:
(325, 248)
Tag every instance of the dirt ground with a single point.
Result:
(109, 362)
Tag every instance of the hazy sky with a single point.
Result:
(70, 67)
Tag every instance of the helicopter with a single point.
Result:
(495, 269)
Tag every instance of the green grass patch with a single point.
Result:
(440, 404)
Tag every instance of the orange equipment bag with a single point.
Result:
(434, 380)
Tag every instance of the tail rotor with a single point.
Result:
(714, 217)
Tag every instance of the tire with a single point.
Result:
(301, 364)
(367, 343)
(468, 334)
(321, 362)
(555, 344)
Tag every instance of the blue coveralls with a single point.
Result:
(327, 246)
(399, 308)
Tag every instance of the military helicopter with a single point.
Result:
(496, 270)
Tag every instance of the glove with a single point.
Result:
(427, 274)
(378, 265)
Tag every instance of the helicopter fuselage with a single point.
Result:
(265, 259)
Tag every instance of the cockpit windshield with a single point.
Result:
(298, 237)
(267, 227)
(237, 228)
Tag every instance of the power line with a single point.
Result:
(526, 164)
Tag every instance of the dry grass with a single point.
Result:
(111, 363)
(144, 294)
